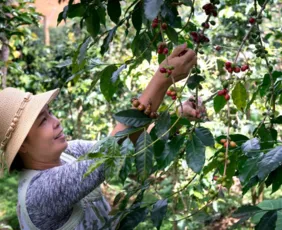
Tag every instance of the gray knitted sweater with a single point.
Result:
(52, 193)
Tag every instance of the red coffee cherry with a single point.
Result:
(228, 64)
(217, 48)
(163, 70)
(164, 26)
(222, 92)
(244, 67)
(173, 97)
(156, 20)
(237, 69)
(252, 20)
(182, 53)
(160, 51)
(227, 97)
(168, 93)
(205, 25)
(154, 25)
(169, 72)
(165, 51)
(230, 70)
(173, 93)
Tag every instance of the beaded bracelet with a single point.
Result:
(146, 109)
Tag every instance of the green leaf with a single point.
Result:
(195, 154)
(133, 219)
(252, 182)
(158, 213)
(144, 159)
(249, 168)
(127, 131)
(102, 15)
(188, 2)
(114, 10)
(265, 85)
(261, 2)
(246, 210)
(218, 103)
(107, 85)
(75, 10)
(170, 151)
(127, 148)
(239, 96)
(205, 136)
(83, 49)
(271, 161)
(268, 221)
(194, 80)
(132, 117)
(94, 166)
(162, 125)
(137, 17)
(271, 204)
(279, 220)
(172, 35)
(277, 120)
(92, 22)
(108, 39)
(275, 179)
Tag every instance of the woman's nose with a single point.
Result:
(56, 122)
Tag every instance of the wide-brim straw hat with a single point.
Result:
(18, 112)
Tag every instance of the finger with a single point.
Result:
(189, 56)
(178, 50)
(188, 111)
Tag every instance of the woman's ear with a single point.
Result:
(23, 148)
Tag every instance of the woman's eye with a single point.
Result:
(44, 119)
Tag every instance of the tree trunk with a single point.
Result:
(46, 32)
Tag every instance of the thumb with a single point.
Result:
(178, 50)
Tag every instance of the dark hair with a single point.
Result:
(17, 164)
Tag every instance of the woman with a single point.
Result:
(52, 193)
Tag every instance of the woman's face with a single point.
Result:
(45, 141)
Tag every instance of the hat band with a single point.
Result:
(15, 120)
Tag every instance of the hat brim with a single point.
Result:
(27, 119)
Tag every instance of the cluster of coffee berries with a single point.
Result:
(220, 157)
(167, 70)
(155, 24)
(162, 48)
(260, 51)
(210, 9)
(224, 181)
(172, 93)
(199, 37)
(229, 143)
(146, 109)
(235, 68)
(224, 92)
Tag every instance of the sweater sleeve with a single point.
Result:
(77, 148)
(53, 192)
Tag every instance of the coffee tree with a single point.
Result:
(238, 44)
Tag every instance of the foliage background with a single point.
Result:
(86, 114)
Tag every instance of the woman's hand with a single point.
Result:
(189, 109)
(182, 59)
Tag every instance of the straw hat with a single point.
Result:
(18, 112)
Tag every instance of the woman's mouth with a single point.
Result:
(60, 135)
